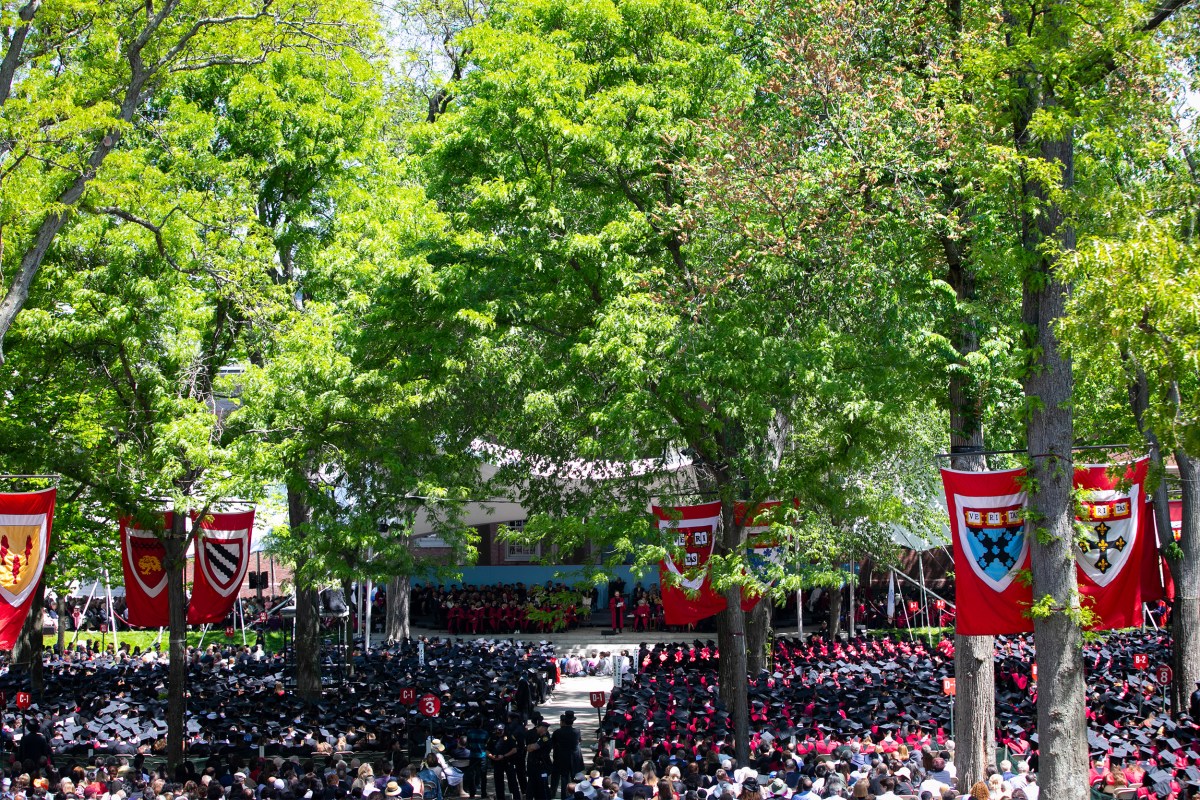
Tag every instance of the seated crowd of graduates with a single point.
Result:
(114, 703)
(880, 695)
(886, 770)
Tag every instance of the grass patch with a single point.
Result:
(146, 639)
(919, 632)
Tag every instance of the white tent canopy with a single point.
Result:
(922, 544)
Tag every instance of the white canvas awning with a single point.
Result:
(922, 544)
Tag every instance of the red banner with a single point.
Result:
(762, 549)
(687, 592)
(143, 558)
(26, 519)
(1176, 510)
(987, 525)
(1109, 559)
(1155, 573)
(222, 557)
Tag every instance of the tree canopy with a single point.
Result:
(627, 250)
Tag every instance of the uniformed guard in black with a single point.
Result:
(502, 749)
(568, 759)
(539, 762)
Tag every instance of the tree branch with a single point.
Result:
(121, 213)
(1161, 14)
(12, 58)
(201, 24)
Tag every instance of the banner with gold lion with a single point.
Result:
(25, 522)
(143, 555)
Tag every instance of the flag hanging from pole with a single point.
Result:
(1109, 554)
(987, 525)
(143, 559)
(891, 596)
(26, 519)
(763, 551)
(687, 592)
(1154, 566)
(1175, 509)
(222, 558)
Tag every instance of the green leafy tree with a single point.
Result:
(615, 315)
(167, 273)
(77, 76)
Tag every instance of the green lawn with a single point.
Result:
(145, 639)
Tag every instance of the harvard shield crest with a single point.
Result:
(21, 554)
(25, 520)
(993, 537)
(1109, 521)
(223, 556)
(146, 553)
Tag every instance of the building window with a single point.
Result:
(519, 551)
(428, 542)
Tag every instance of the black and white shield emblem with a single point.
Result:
(1110, 521)
(223, 556)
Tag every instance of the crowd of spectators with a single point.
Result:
(501, 609)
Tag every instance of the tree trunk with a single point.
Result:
(27, 650)
(398, 623)
(1185, 615)
(62, 622)
(1139, 402)
(835, 612)
(175, 541)
(1185, 624)
(974, 656)
(1061, 701)
(731, 643)
(733, 666)
(758, 634)
(307, 644)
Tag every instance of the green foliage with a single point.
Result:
(167, 272)
(636, 354)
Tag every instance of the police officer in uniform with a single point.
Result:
(502, 752)
(564, 744)
(539, 761)
(522, 734)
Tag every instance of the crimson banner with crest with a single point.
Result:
(143, 558)
(222, 558)
(687, 592)
(1110, 553)
(26, 519)
(987, 525)
(1156, 575)
(1175, 508)
(762, 549)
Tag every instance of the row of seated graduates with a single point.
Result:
(822, 692)
(239, 700)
